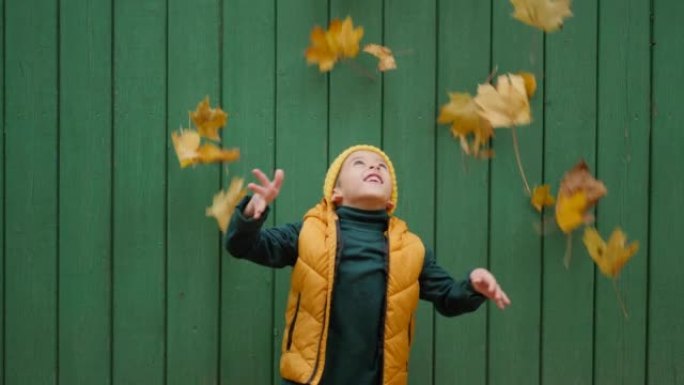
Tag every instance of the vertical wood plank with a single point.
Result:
(2, 191)
(665, 329)
(623, 158)
(515, 241)
(301, 131)
(192, 238)
(356, 86)
(31, 167)
(409, 138)
(249, 95)
(462, 188)
(140, 141)
(85, 192)
(570, 135)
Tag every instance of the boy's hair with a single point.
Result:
(336, 166)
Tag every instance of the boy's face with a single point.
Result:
(364, 182)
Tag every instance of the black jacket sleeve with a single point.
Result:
(451, 297)
(273, 247)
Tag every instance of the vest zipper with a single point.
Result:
(292, 324)
(336, 264)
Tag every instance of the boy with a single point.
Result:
(357, 275)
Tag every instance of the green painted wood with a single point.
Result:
(462, 188)
(85, 187)
(301, 132)
(2, 192)
(622, 160)
(409, 138)
(193, 260)
(249, 96)
(570, 135)
(356, 85)
(31, 183)
(140, 141)
(514, 236)
(665, 329)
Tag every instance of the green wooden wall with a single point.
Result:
(111, 273)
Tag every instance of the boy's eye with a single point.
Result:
(382, 165)
(358, 162)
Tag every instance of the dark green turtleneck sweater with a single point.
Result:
(354, 353)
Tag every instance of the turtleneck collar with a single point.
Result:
(363, 219)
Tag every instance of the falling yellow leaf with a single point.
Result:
(189, 152)
(571, 210)
(345, 38)
(541, 196)
(462, 113)
(611, 257)
(546, 15)
(530, 83)
(224, 203)
(208, 120)
(506, 105)
(186, 144)
(209, 153)
(320, 52)
(385, 58)
(341, 40)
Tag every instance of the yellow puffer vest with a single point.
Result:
(308, 304)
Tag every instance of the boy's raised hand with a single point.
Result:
(264, 194)
(484, 282)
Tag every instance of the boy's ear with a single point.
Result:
(336, 196)
(389, 205)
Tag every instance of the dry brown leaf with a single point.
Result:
(547, 15)
(610, 257)
(462, 113)
(577, 180)
(224, 203)
(208, 120)
(506, 105)
(386, 60)
(541, 196)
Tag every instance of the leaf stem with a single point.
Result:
(516, 148)
(619, 298)
(568, 251)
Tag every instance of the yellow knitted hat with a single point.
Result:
(336, 165)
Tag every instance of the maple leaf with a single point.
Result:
(320, 50)
(462, 113)
(341, 40)
(186, 144)
(506, 105)
(224, 203)
(345, 38)
(530, 83)
(189, 152)
(571, 210)
(546, 15)
(610, 257)
(208, 120)
(386, 60)
(209, 153)
(541, 196)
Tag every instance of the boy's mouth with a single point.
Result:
(373, 178)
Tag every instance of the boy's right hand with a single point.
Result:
(264, 194)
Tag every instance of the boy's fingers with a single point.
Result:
(278, 179)
(261, 177)
(258, 189)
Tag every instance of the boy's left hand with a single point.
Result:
(484, 282)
